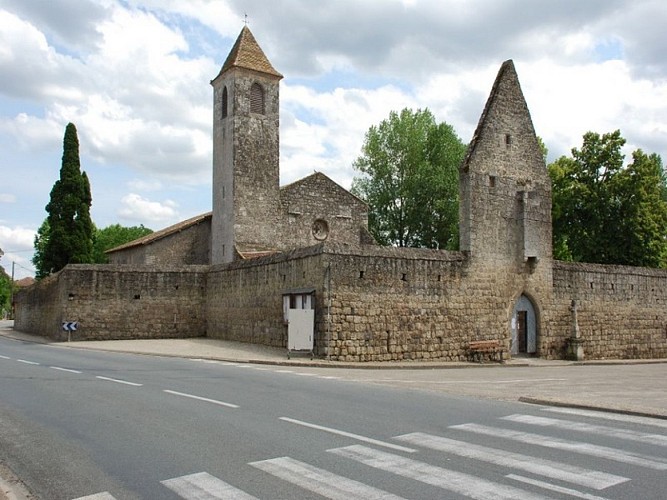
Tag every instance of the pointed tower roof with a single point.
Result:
(506, 104)
(246, 53)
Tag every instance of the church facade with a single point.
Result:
(265, 251)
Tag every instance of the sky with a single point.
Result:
(134, 77)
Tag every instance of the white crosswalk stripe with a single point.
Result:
(548, 468)
(204, 486)
(600, 430)
(553, 487)
(458, 482)
(320, 481)
(605, 452)
(98, 496)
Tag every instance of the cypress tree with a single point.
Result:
(71, 229)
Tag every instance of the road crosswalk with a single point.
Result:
(435, 461)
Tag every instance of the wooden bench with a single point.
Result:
(478, 348)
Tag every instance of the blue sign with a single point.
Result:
(70, 326)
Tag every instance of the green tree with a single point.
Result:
(5, 292)
(41, 238)
(606, 212)
(71, 230)
(409, 178)
(114, 236)
(643, 211)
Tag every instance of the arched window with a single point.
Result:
(224, 102)
(257, 99)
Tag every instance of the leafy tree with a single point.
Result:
(70, 228)
(409, 177)
(41, 238)
(643, 211)
(606, 213)
(114, 236)
(5, 292)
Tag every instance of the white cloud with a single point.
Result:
(16, 238)
(7, 198)
(329, 139)
(593, 97)
(145, 185)
(17, 245)
(138, 209)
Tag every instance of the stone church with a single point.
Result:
(296, 267)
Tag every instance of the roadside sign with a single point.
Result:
(70, 326)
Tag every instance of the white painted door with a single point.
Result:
(300, 326)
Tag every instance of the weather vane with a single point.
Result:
(245, 18)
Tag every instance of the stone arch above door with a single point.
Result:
(523, 327)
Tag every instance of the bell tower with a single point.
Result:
(246, 177)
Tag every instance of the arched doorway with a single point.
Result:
(524, 328)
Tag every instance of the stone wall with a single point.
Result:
(397, 304)
(622, 311)
(317, 200)
(39, 308)
(244, 301)
(116, 302)
(371, 303)
(189, 246)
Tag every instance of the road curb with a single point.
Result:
(11, 487)
(580, 406)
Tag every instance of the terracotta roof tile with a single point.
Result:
(158, 235)
(247, 54)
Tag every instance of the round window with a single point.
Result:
(320, 229)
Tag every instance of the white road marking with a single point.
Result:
(571, 446)
(203, 486)
(617, 417)
(4, 357)
(284, 371)
(600, 430)
(548, 468)
(27, 362)
(458, 482)
(213, 362)
(553, 487)
(69, 370)
(350, 435)
(119, 381)
(306, 374)
(330, 377)
(319, 481)
(199, 398)
(105, 495)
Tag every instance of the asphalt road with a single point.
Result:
(78, 423)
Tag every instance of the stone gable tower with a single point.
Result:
(505, 189)
(246, 176)
(505, 222)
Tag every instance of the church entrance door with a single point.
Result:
(524, 327)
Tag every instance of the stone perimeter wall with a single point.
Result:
(390, 304)
(245, 298)
(116, 302)
(622, 310)
(371, 304)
